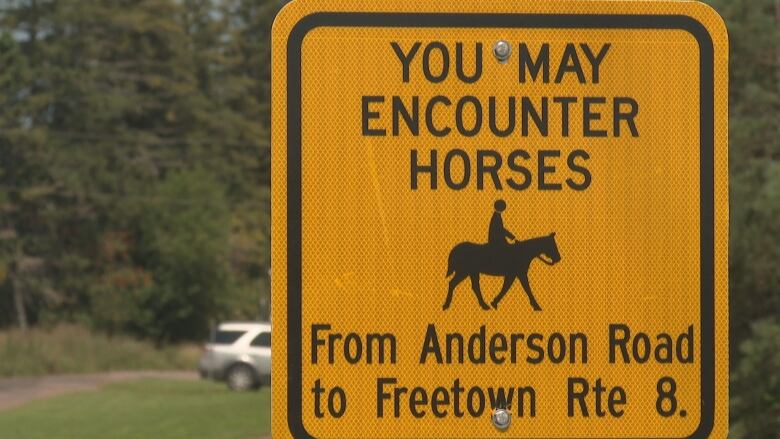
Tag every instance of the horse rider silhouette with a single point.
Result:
(497, 234)
(499, 258)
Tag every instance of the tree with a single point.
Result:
(754, 30)
(184, 245)
(754, 280)
(117, 97)
(28, 194)
(755, 404)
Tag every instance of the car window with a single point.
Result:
(227, 337)
(263, 339)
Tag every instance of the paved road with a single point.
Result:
(18, 391)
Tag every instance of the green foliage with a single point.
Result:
(754, 32)
(174, 279)
(134, 180)
(184, 245)
(754, 278)
(144, 409)
(755, 388)
(74, 349)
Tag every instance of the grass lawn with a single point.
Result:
(144, 409)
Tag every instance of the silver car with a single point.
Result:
(239, 354)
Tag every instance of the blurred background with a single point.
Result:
(134, 217)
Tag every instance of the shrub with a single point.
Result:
(755, 384)
(74, 349)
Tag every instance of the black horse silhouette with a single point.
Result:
(511, 261)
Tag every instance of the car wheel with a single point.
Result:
(240, 378)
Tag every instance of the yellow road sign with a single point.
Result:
(499, 219)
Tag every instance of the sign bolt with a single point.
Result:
(502, 51)
(502, 419)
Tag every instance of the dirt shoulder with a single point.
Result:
(15, 392)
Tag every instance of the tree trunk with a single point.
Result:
(21, 312)
(18, 286)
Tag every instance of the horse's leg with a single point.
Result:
(507, 285)
(527, 287)
(477, 291)
(458, 278)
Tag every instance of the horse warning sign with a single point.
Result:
(499, 219)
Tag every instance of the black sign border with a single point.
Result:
(469, 20)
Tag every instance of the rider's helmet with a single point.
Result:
(500, 205)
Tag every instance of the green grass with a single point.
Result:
(144, 409)
(75, 349)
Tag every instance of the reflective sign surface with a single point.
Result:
(484, 206)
